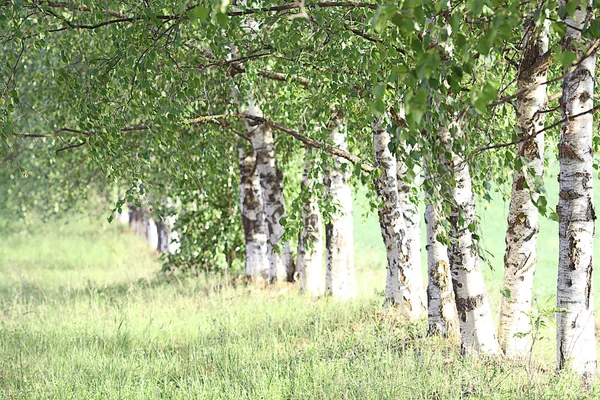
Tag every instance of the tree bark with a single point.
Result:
(162, 245)
(575, 336)
(520, 257)
(474, 314)
(151, 233)
(410, 212)
(281, 265)
(310, 244)
(401, 290)
(442, 316)
(253, 217)
(340, 280)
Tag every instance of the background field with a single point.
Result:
(84, 314)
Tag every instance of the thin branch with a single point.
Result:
(278, 76)
(299, 5)
(365, 166)
(73, 146)
(529, 137)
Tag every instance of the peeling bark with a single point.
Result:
(401, 288)
(340, 280)
(520, 257)
(473, 308)
(253, 217)
(309, 267)
(575, 335)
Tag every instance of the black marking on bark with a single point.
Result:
(566, 151)
(520, 184)
(467, 304)
(573, 254)
(588, 284)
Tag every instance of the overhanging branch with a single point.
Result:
(335, 151)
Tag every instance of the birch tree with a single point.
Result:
(253, 217)
(520, 258)
(441, 307)
(340, 280)
(401, 287)
(412, 219)
(309, 266)
(474, 313)
(575, 333)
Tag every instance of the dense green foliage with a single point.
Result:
(110, 96)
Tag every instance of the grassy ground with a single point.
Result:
(84, 315)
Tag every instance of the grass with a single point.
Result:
(83, 315)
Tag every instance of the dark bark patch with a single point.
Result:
(568, 194)
(520, 183)
(566, 151)
(588, 284)
(469, 303)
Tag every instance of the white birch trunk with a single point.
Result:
(309, 267)
(410, 212)
(575, 336)
(520, 257)
(442, 317)
(400, 288)
(253, 217)
(475, 317)
(340, 280)
(151, 233)
(281, 265)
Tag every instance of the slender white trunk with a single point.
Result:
(475, 317)
(575, 336)
(400, 289)
(281, 264)
(520, 257)
(410, 212)
(340, 280)
(151, 233)
(310, 244)
(253, 217)
(442, 316)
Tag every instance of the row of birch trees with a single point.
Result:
(265, 113)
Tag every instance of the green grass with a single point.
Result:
(83, 315)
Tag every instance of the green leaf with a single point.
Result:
(565, 57)
(382, 15)
(505, 293)
(199, 13)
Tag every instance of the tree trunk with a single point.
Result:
(575, 336)
(310, 244)
(163, 237)
(442, 316)
(410, 212)
(151, 233)
(253, 217)
(520, 257)
(474, 314)
(400, 290)
(340, 280)
(281, 265)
